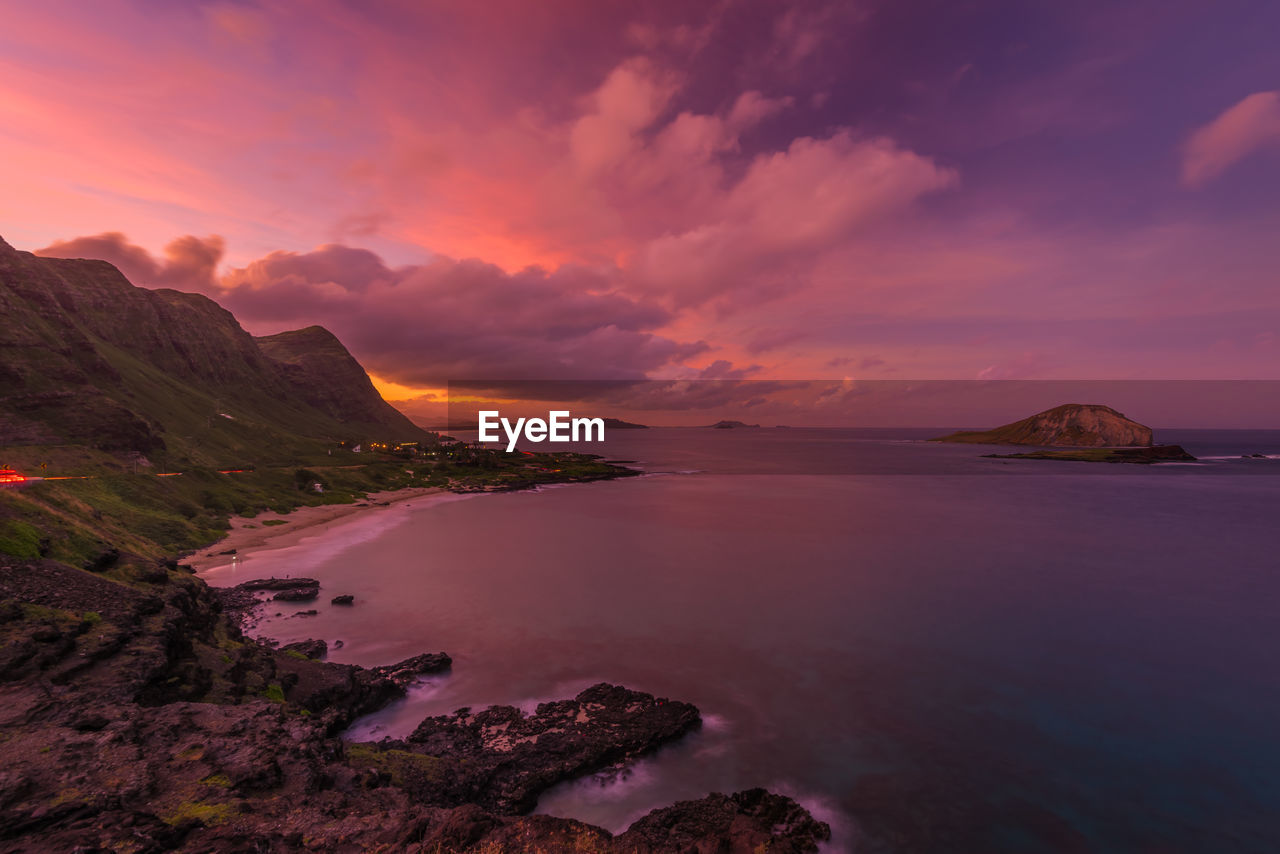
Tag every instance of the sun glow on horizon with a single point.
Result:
(392, 391)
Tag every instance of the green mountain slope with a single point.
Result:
(89, 361)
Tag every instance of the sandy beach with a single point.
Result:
(249, 533)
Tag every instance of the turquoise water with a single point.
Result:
(941, 653)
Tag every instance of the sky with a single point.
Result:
(720, 190)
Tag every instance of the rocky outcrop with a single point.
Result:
(1139, 456)
(754, 820)
(278, 584)
(502, 759)
(242, 602)
(405, 672)
(1072, 425)
(297, 594)
(137, 717)
(309, 648)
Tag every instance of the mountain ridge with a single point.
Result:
(91, 359)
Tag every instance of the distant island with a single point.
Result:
(1094, 432)
(1072, 425)
(729, 425)
(619, 424)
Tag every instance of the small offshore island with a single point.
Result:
(1092, 432)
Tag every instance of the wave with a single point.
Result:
(387, 722)
(844, 829)
(1244, 457)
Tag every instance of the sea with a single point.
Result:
(931, 649)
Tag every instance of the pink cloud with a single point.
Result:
(752, 107)
(448, 319)
(425, 324)
(189, 262)
(629, 100)
(1242, 129)
(1019, 367)
(789, 206)
(724, 175)
(802, 31)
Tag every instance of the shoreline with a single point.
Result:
(249, 532)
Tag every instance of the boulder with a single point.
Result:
(754, 820)
(297, 594)
(278, 584)
(404, 672)
(311, 648)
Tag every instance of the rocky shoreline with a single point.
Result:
(137, 716)
(1148, 455)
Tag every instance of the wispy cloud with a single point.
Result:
(1242, 129)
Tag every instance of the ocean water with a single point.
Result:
(932, 650)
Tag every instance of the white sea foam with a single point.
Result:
(637, 786)
(844, 830)
(1240, 457)
(386, 722)
(560, 691)
(712, 722)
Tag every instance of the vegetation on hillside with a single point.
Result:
(152, 417)
(76, 520)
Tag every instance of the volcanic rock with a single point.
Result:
(503, 759)
(405, 672)
(1072, 425)
(311, 648)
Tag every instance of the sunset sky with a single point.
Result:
(585, 190)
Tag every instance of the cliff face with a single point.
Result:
(1073, 425)
(86, 358)
(321, 372)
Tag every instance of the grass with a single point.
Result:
(159, 516)
(32, 611)
(401, 765)
(209, 814)
(74, 520)
(19, 538)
